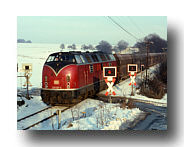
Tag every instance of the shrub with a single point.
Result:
(154, 89)
(157, 85)
(162, 72)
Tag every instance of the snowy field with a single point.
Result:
(87, 115)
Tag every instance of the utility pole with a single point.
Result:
(27, 85)
(26, 68)
(27, 82)
(132, 93)
(147, 50)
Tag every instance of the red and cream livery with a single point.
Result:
(71, 76)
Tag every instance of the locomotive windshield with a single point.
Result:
(60, 60)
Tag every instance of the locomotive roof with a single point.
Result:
(78, 52)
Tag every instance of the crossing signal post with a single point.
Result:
(27, 69)
(132, 69)
(110, 74)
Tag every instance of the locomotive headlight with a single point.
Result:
(68, 85)
(46, 85)
(68, 78)
(45, 78)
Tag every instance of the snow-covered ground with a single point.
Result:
(30, 106)
(97, 115)
(87, 115)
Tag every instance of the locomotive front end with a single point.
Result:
(59, 79)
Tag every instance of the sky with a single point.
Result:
(88, 29)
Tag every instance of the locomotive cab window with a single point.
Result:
(50, 59)
(67, 58)
(61, 58)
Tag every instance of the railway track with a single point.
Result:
(120, 99)
(32, 120)
(156, 120)
(33, 114)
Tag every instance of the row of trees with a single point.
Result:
(159, 45)
(73, 46)
(23, 41)
(103, 46)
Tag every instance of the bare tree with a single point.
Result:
(90, 47)
(73, 46)
(159, 44)
(84, 47)
(115, 49)
(70, 46)
(62, 46)
(122, 45)
(104, 46)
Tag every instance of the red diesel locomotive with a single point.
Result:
(69, 77)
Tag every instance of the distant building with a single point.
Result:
(129, 50)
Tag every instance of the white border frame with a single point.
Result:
(27, 64)
(132, 65)
(110, 67)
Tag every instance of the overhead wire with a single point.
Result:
(137, 27)
(123, 28)
(116, 27)
(128, 23)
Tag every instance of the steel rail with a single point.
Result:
(40, 121)
(70, 106)
(34, 113)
